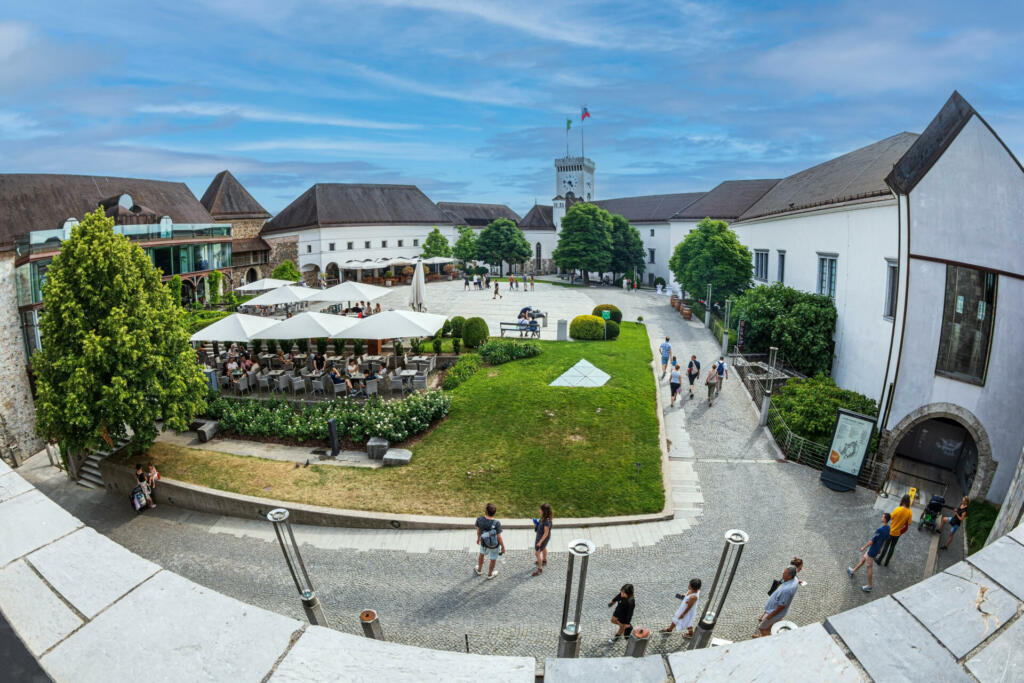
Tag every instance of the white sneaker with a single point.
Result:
(479, 572)
(849, 570)
(493, 574)
(866, 589)
(612, 640)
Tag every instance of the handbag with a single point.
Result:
(775, 584)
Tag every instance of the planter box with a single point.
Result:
(687, 313)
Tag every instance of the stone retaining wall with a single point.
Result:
(17, 410)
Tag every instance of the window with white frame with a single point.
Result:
(892, 287)
(401, 242)
(652, 232)
(780, 276)
(350, 245)
(827, 264)
(383, 244)
(330, 246)
(761, 264)
(415, 243)
(650, 256)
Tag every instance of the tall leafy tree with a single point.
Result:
(585, 240)
(436, 244)
(115, 353)
(712, 254)
(465, 246)
(627, 248)
(502, 240)
(286, 270)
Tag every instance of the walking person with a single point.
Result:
(873, 547)
(899, 522)
(723, 372)
(778, 603)
(511, 282)
(712, 383)
(465, 280)
(685, 615)
(692, 372)
(623, 615)
(497, 294)
(675, 382)
(954, 521)
(542, 526)
(488, 537)
(531, 283)
(666, 353)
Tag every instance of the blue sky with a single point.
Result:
(469, 100)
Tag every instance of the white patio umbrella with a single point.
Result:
(263, 285)
(284, 295)
(434, 260)
(418, 291)
(350, 291)
(233, 328)
(308, 325)
(395, 325)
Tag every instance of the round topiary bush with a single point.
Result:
(614, 310)
(474, 333)
(613, 330)
(456, 325)
(659, 281)
(586, 327)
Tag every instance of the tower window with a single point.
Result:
(366, 244)
(330, 246)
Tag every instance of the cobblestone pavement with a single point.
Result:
(435, 600)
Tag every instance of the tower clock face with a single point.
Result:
(570, 183)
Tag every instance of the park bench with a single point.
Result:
(515, 327)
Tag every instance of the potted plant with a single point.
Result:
(358, 346)
(388, 277)
(408, 271)
(399, 349)
(437, 345)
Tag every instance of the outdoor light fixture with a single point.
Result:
(283, 528)
(734, 542)
(766, 400)
(569, 635)
(707, 309)
(725, 332)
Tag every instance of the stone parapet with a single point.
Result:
(17, 410)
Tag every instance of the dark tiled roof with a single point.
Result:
(354, 204)
(248, 244)
(856, 176)
(225, 199)
(927, 149)
(728, 200)
(540, 217)
(40, 201)
(476, 215)
(652, 207)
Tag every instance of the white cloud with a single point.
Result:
(15, 126)
(209, 109)
(493, 92)
(366, 148)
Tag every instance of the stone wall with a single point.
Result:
(17, 409)
(245, 228)
(282, 249)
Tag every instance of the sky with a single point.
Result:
(469, 100)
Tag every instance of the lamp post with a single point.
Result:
(731, 553)
(707, 309)
(296, 567)
(725, 332)
(569, 634)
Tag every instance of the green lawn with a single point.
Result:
(509, 439)
(981, 515)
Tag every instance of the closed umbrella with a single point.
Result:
(395, 325)
(284, 295)
(418, 291)
(233, 328)
(308, 325)
(263, 285)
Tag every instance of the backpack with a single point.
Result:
(489, 538)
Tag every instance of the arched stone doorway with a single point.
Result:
(332, 274)
(251, 275)
(941, 444)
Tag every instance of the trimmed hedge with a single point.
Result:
(463, 369)
(396, 421)
(457, 324)
(498, 351)
(614, 310)
(197, 320)
(613, 330)
(587, 327)
(474, 333)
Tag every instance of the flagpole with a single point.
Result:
(583, 149)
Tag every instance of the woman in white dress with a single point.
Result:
(684, 616)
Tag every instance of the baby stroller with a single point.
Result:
(931, 512)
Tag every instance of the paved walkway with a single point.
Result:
(422, 583)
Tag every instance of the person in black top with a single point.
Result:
(623, 614)
(140, 476)
(540, 544)
(954, 521)
(692, 372)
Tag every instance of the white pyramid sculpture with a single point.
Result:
(583, 374)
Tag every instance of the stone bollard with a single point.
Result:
(376, 448)
(636, 646)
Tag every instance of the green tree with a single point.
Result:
(502, 240)
(465, 246)
(800, 324)
(174, 286)
(627, 248)
(809, 406)
(436, 244)
(712, 254)
(115, 353)
(286, 271)
(213, 281)
(585, 240)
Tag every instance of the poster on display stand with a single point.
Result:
(851, 438)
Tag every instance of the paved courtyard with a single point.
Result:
(729, 477)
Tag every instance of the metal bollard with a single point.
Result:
(371, 624)
(332, 430)
(766, 403)
(637, 644)
(731, 554)
(569, 635)
(296, 567)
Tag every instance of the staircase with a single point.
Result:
(89, 473)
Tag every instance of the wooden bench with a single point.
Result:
(516, 327)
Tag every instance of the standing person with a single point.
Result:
(511, 282)
(487, 280)
(779, 602)
(873, 547)
(712, 383)
(625, 284)
(140, 477)
(723, 372)
(634, 286)
(799, 565)
(684, 616)
(152, 477)
(675, 381)
(488, 537)
(692, 371)
(540, 544)
(899, 522)
(465, 280)
(476, 281)
(531, 283)
(623, 614)
(497, 294)
(954, 521)
(666, 353)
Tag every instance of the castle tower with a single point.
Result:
(574, 181)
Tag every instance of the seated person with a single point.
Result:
(534, 328)
(379, 373)
(353, 367)
(284, 358)
(376, 308)
(246, 364)
(255, 366)
(337, 378)
(319, 364)
(231, 366)
(523, 325)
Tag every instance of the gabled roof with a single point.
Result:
(540, 217)
(476, 215)
(851, 178)
(728, 200)
(652, 207)
(327, 204)
(239, 246)
(226, 199)
(42, 201)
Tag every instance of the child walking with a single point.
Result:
(623, 614)
(683, 619)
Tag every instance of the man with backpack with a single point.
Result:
(692, 371)
(723, 373)
(488, 537)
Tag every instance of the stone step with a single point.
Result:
(90, 468)
(88, 483)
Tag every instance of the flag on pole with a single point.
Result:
(584, 114)
(568, 124)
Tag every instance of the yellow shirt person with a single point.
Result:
(901, 517)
